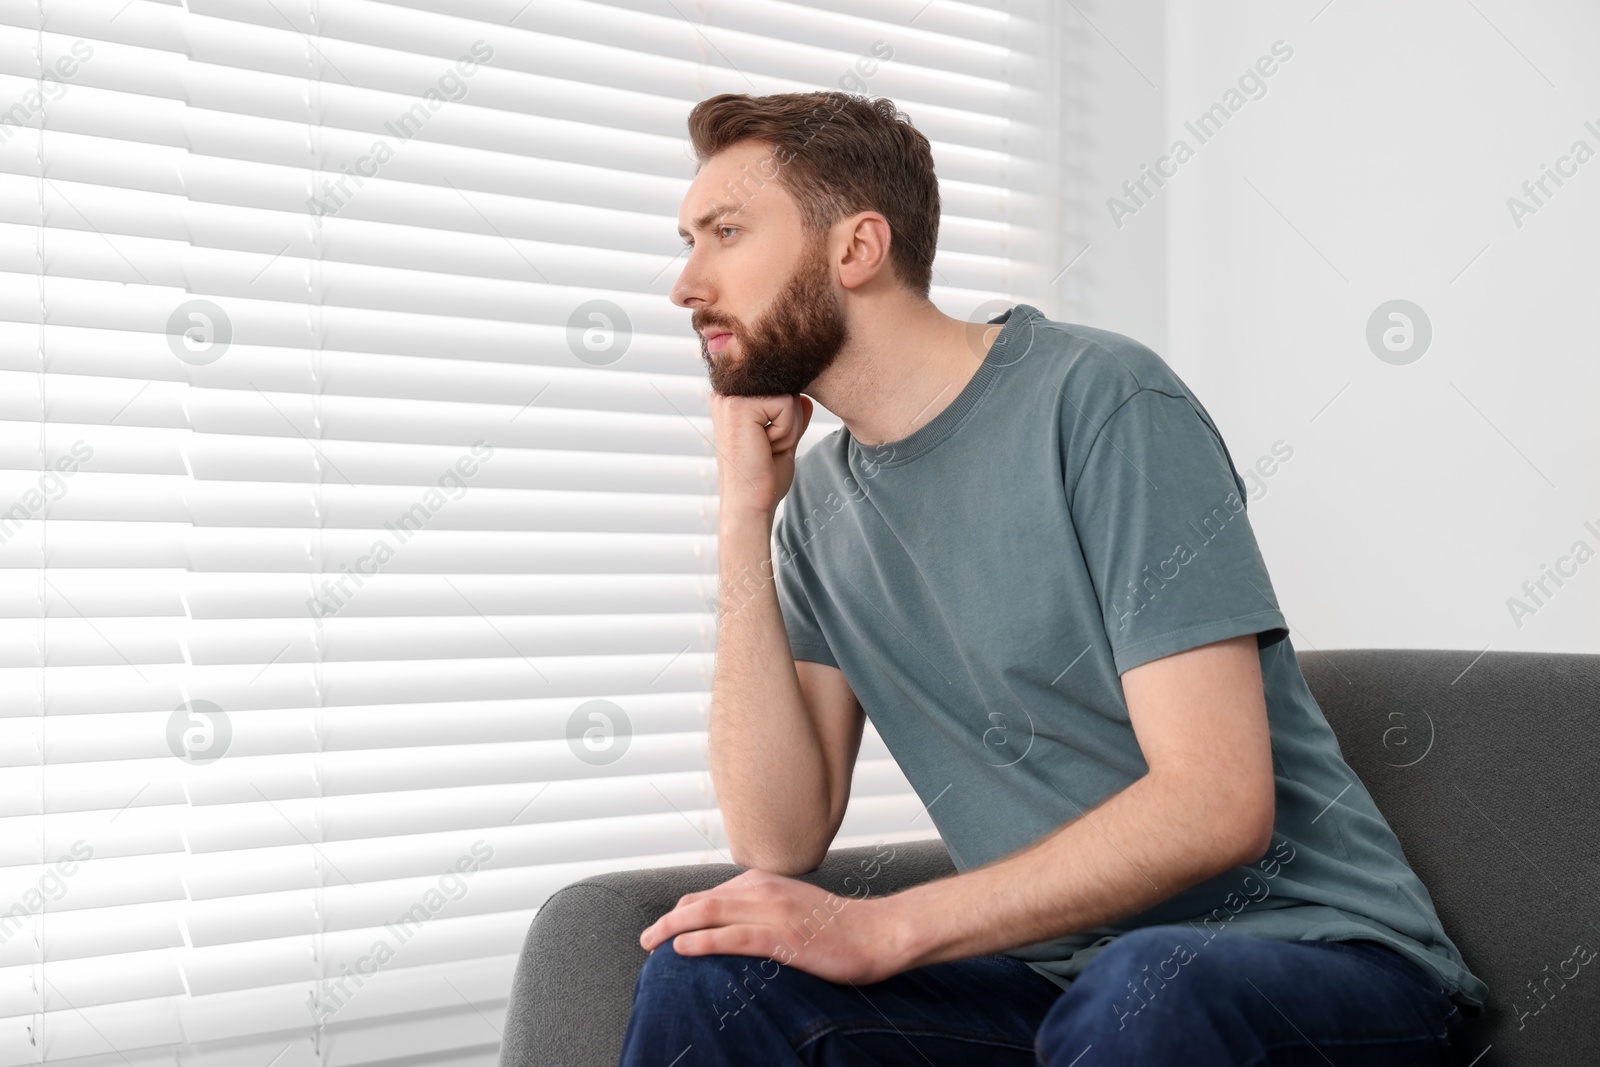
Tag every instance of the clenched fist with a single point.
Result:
(756, 437)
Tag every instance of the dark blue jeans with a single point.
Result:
(1235, 1000)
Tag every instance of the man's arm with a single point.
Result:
(783, 734)
(1207, 804)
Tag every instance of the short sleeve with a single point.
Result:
(796, 579)
(1161, 519)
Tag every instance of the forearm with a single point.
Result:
(1141, 846)
(766, 759)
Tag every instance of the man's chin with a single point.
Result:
(746, 389)
(726, 373)
(742, 387)
(726, 376)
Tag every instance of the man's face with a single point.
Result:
(755, 278)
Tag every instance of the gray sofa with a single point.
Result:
(1484, 766)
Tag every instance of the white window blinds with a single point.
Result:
(356, 582)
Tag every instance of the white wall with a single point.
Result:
(1112, 112)
(1376, 166)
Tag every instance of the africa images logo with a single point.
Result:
(198, 732)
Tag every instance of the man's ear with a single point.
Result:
(867, 250)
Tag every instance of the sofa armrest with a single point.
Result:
(573, 990)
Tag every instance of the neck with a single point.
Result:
(903, 364)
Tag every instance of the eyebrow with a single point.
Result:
(716, 211)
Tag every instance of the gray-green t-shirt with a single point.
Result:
(984, 582)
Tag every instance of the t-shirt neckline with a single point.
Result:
(935, 430)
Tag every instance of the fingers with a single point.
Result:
(743, 939)
(799, 417)
(730, 902)
(699, 914)
(779, 417)
(683, 916)
(790, 417)
(755, 876)
(756, 438)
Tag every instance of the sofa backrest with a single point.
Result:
(1486, 768)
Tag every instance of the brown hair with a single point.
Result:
(836, 154)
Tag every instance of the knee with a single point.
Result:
(1128, 994)
(1143, 963)
(686, 998)
(664, 960)
(712, 979)
(665, 968)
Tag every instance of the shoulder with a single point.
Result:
(1098, 374)
(1099, 369)
(1092, 373)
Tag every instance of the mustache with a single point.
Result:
(701, 323)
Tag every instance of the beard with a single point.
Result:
(787, 347)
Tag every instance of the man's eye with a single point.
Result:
(735, 229)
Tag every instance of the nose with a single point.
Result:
(690, 290)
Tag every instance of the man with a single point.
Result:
(1025, 556)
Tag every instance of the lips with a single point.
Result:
(717, 340)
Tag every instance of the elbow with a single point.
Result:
(1256, 832)
(795, 869)
(1230, 826)
(788, 866)
(790, 853)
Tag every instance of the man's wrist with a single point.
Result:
(735, 518)
(900, 934)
